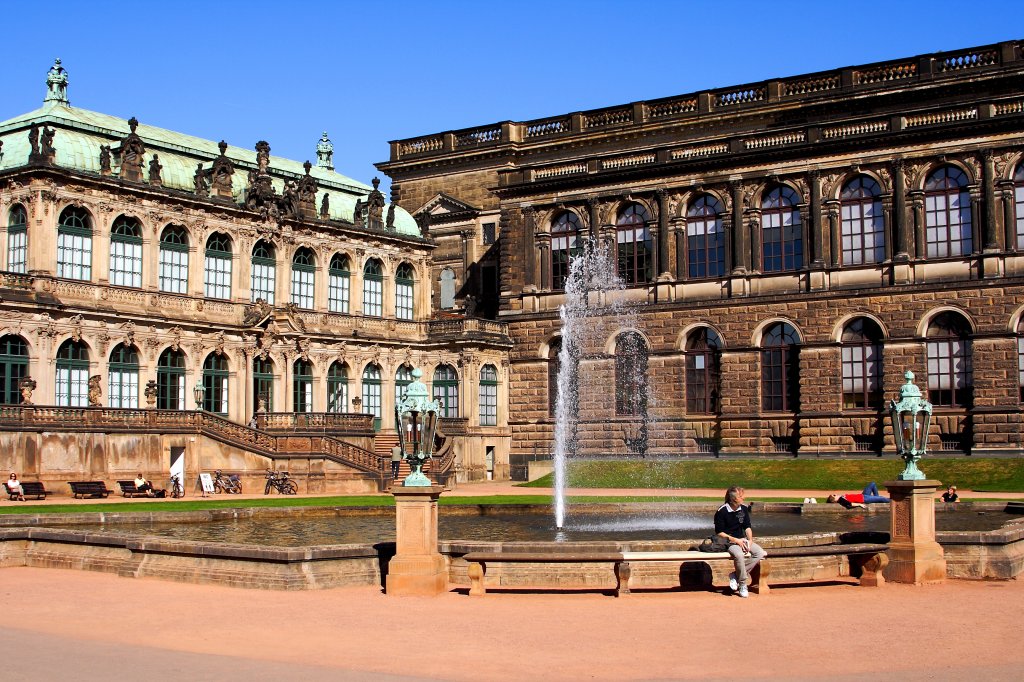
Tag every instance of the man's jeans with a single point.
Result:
(745, 564)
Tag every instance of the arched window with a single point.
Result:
(74, 244)
(566, 244)
(705, 238)
(372, 394)
(702, 360)
(446, 390)
(303, 278)
(781, 235)
(950, 370)
(862, 365)
(863, 227)
(302, 385)
(447, 289)
(170, 380)
(13, 368)
(488, 396)
(17, 239)
(263, 383)
(338, 287)
(780, 369)
(373, 288)
(215, 383)
(1018, 203)
(123, 377)
(634, 248)
(337, 388)
(403, 292)
(403, 377)
(947, 208)
(630, 375)
(72, 374)
(126, 252)
(264, 272)
(174, 260)
(217, 269)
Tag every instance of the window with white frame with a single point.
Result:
(337, 388)
(303, 278)
(947, 213)
(373, 288)
(217, 268)
(264, 272)
(488, 396)
(72, 379)
(446, 391)
(339, 284)
(404, 292)
(174, 260)
(74, 244)
(126, 252)
(123, 377)
(863, 226)
(17, 239)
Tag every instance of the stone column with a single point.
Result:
(529, 217)
(740, 244)
(920, 243)
(899, 211)
(832, 209)
(814, 227)
(417, 568)
(914, 555)
(662, 244)
(991, 236)
(594, 209)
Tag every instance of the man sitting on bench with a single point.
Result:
(144, 486)
(732, 524)
(860, 500)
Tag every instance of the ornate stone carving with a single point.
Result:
(154, 172)
(132, 151)
(221, 173)
(104, 159)
(199, 184)
(33, 144)
(76, 328)
(325, 153)
(389, 224)
(256, 313)
(306, 207)
(47, 152)
(103, 341)
(26, 386)
(150, 392)
(325, 207)
(95, 392)
(375, 203)
(302, 346)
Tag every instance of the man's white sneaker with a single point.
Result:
(733, 585)
(743, 592)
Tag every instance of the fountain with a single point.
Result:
(588, 319)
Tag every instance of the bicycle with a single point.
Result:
(227, 484)
(177, 490)
(279, 481)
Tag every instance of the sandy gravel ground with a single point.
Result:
(90, 626)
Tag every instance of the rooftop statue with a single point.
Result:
(221, 172)
(154, 172)
(57, 84)
(132, 153)
(325, 153)
(375, 207)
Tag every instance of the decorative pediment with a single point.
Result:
(445, 208)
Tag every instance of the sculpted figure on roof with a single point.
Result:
(132, 153)
(57, 84)
(325, 153)
(202, 189)
(46, 148)
(221, 172)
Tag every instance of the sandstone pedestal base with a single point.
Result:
(914, 555)
(417, 567)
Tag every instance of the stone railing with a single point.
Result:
(627, 161)
(351, 455)
(864, 128)
(338, 422)
(936, 117)
(468, 325)
(15, 280)
(698, 151)
(775, 140)
(872, 77)
(559, 171)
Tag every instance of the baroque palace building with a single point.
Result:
(147, 274)
(789, 248)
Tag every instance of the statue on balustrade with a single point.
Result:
(27, 385)
(154, 172)
(47, 152)
(33, 143)
(325, 207)
(221, 173)
(95, 392)
(104, 159)
(375, 207)
(132, 152)
(202, 188)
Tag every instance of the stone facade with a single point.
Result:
(886, 197)
(275, 287)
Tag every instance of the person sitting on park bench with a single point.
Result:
(14, 485)
(732, 524)
(144, 486)
(860, 500)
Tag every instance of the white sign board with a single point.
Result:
(207, 481)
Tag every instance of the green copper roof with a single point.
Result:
(79, 134)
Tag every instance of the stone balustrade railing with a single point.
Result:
(894, 74)
(354, 423)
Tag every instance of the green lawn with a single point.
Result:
(995, 475)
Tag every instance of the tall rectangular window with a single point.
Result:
(490, 233)
(74, 255)
(125, 263)
(174, 270)
(17, 249)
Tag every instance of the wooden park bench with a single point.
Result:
(29, 489)
(867, 560)
(89, 489)
(129, 489)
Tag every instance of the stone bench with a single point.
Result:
(867, 561)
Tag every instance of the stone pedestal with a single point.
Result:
(417, 567)
(914, 555)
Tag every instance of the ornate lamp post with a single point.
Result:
(416, 423)
(199, 392)
(911, 416)
(417, 567)
(914, 555)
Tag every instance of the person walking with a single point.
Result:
(732, 524)
(396, 461)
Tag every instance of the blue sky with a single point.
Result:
(370, 72)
